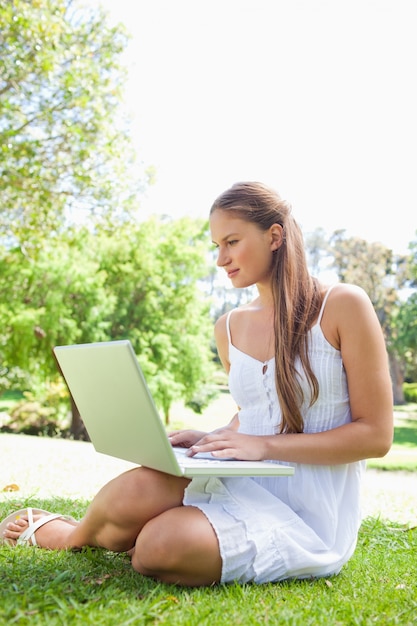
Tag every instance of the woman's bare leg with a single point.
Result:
(179, 546)
(117, 514)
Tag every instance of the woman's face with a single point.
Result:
(244, 250)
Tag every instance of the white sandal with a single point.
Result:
(27, 538)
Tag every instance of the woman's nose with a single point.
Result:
(222, 258)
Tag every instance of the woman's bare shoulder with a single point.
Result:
(220, 326)
(348, 295)
(347, 309)
(221, 322)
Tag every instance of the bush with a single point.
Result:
(410, 392)
(42, 412)
(202, 398)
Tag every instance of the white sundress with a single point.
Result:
(299, 526)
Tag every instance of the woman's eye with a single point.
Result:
(232, 242)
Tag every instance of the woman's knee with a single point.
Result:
(178, 546)
(131, 494)
(154, 549)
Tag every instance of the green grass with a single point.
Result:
(41, 588)
(377, 586)
(403, 454)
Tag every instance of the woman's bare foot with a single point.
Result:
(53, 535)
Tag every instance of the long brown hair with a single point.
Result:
(296, 294)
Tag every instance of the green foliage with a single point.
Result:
(373, 267)
(202, 398)
(60, 146)
(410, 392)
(98, 587)
(413, 260)
(153, 271)
(404, 331)
(141, 283)
(43, 411)
(56, 298)
(383, 275)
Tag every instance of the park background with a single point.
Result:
(106, 186)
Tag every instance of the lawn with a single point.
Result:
(41, 588)
(378, 586)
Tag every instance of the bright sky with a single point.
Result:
(316, 98)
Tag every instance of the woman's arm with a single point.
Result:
(350, 324)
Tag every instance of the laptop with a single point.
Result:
(121, 418)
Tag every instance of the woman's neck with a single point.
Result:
(265, 297)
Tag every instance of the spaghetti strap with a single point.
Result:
(229, 336)
(324, 303)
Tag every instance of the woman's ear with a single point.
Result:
(277, 236)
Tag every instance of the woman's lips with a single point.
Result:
(232, 273)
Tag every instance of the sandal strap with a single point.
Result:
(29, 511)
(28, 536)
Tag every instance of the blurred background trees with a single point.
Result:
(77, 261)
(390, 281)
(65, 151)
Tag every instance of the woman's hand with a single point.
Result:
(229, 444)
(188, 438)
(185, 438)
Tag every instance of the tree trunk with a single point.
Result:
(397, 377)
(77, 430)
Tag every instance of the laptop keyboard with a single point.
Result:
(203, 457)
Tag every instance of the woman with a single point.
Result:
(308, 369)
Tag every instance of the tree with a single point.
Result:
(317, 249)
(380, 273)
(57, 298)
(405, 320)
(65, 157)
(139, 283)
(153, 271)
(405, 333)
(62, 152)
